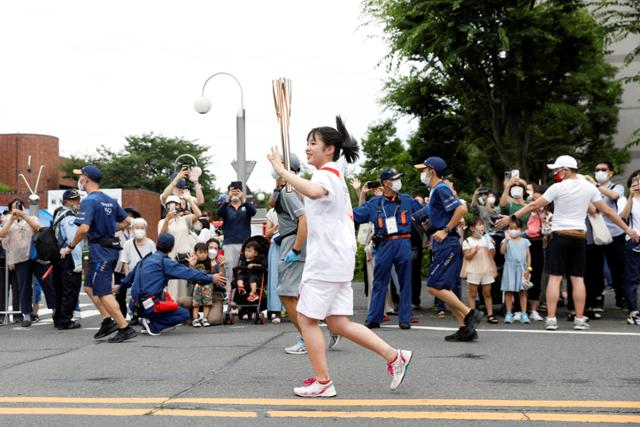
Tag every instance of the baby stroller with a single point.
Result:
(239, 301)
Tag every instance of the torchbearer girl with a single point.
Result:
(325, 290)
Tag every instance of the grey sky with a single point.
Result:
(94, 72)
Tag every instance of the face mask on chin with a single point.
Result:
(558, 177)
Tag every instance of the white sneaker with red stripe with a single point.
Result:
(398, 368)
(314, 388)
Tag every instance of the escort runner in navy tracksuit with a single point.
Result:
(391, 216)
(149, 281)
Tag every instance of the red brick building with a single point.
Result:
(25, 153)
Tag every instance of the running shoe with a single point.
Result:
(634, 318)
(314, 388)
(551, 324)
(205, 322)
(196, 323)
(517, 317)
(459, 335)
(146, 327)
(334, 339)
(398, 368)
(581, 323)
(472, 319)
(535, 316)
(298, 348)
(524, 318)
(123, 335)
(107, 327)
(508, 318)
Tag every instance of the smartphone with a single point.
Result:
(373, 184)
(221, 252)
(515, 173)
(507, 175)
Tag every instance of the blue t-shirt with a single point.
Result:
(101, 213)
(442, 204)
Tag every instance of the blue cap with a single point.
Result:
(70, 194)
(435, 163)
(165, 242)
(90, 171)
(390, 173)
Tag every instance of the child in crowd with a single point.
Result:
(216, 256)
(478, 266)
(202, 292)
(250, 270)
(517, 266)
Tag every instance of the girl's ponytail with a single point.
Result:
(343, 142)
(350, 149)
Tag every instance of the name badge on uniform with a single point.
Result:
(392, 225)
(148, 303)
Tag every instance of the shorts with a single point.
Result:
(289, 278)
(479, 279)
(319, 300)
(100, 277)
(202, 295)
(444, 270)
(566, 256)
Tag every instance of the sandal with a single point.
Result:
(441, 314)
(492, 319)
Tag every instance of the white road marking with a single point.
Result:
(525, 331)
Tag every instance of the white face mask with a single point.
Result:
(424, 178)
(139, 234)
(396, 185)
(197, 227)
(80, 184)
(491, 200)
(213, 253)
(517, 192)
(602, 176)
(514, 233)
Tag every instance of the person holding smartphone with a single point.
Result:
(631, 214)
(178, 187)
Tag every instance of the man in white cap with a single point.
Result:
(566, 250)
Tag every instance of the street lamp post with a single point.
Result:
(202, 105)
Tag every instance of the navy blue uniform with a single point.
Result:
(394, 250)
(446, 256)
(149, 280)
(101, 213)
(236, 223)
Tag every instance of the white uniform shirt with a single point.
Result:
(571, 199)
(331, 241)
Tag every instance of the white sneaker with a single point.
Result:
(313, 388)
(551, 324)
(146, 327)
(205, 322)
(196, 323)
(634, 318)
(298, 348)
(581, 323)
(334, 339)
(398, 368)
(517, 317)
(535, 316)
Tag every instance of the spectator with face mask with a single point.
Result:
(483, 204)
(614, 251)
(178, 187)
(137, 248)
(513, 199)
(236, 214)
(631, 213)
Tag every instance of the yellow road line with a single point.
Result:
(471, 416)
(411, 415)
(330, 402)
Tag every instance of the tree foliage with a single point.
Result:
(500, 84)
(146, 162)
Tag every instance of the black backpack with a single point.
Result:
(45, 240)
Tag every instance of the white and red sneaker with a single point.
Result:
(314, 388)
(398, 368)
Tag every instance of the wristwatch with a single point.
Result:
(447, 229)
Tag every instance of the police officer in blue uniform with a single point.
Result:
(391, 216)
(99, 217)
(445, 212)
(149, 279)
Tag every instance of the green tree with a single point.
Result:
(497, 83)
(147, 162)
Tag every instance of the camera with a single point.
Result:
(182, 258)
(373, 184)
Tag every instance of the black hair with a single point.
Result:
(253, 245)
(213, 240)
(608, 163)
(344, 143)
(13, 202)
(474, 221)
(537, 188)
(204, 221)
(516, 221)
(200, 247)
(633, 175)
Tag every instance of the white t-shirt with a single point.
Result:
(130, 256)
(571, 199)
(205, 235)
(635, 215)
(331, 240)
(484, 242)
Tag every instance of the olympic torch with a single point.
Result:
(282, 101)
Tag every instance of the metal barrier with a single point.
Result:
(6, 311)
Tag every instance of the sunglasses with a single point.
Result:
(602, 170)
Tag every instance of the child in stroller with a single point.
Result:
(248, 284)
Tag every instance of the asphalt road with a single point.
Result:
(209, 375)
